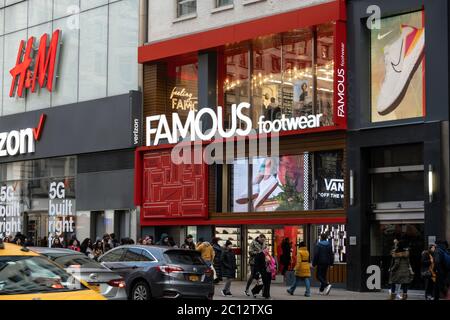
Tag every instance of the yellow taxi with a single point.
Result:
(25, 275)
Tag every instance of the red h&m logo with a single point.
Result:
(32, 65)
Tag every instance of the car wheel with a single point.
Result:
(140, 291)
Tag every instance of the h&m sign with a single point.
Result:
(36, 65)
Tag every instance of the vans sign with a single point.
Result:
(334, 189)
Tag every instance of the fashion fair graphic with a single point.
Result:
(11, 211)
(397, 66)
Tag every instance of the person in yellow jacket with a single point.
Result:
(302, 270)
(207, 251)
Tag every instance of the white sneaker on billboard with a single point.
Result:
(266, 187)
(401, 58)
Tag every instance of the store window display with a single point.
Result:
(37, 198)
(299, 182)
(280, 75)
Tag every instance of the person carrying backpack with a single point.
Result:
(323, 259)
(442, 265)
(428, 271)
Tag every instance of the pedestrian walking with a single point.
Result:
(113, 242)
(265, 268)
(442, 265)
(256, 247)
(228, 267)
(302, 270)
(188, 243)
(172, 243)
(98, 249)
(217, 259)
(207, 252)
(62, 240)
(57, 243)
(285, 258)
(428, 271)
(400, 271)
(164, 240)
(75, 246)
(323, 259)
(86, 248)
(106, 243)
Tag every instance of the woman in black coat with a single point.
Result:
(228, 267)
(261, 273)
(217, 259)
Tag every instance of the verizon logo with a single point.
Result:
(21, 141)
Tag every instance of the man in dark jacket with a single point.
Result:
(228, 267)
(323, 259)
(441, 286)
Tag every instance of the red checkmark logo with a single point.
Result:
(38, 131)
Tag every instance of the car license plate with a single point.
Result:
(194, 278)
(95, 287)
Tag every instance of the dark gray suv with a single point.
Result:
(161, 272)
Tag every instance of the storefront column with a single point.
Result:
(83, 225)
(109, 221)
(436, 212)
(358, 222)
(207, 84)
(135, 229)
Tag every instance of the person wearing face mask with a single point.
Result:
(164, 240)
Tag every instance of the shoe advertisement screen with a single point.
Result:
(278, 184)
(397, 68)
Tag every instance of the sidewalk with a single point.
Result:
(278, 292)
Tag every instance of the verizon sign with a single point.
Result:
(35, 65)
(21, 141)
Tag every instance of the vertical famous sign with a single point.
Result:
(35, 66)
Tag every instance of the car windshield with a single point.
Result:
(184, 257)
(28, 275)
(75, 261)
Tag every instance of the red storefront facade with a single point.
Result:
(286, 66)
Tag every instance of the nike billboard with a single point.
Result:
(397, 66)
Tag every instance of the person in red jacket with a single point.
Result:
(75, 246)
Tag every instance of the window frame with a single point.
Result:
(218, 5)
(180, 3)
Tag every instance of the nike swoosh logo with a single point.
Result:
(394, 65)
(382, 36)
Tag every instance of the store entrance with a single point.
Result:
(382, 239)
(282, 242)
(36, 228)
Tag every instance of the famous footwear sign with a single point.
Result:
(35, 66)
(192, 129)
(21, 141)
